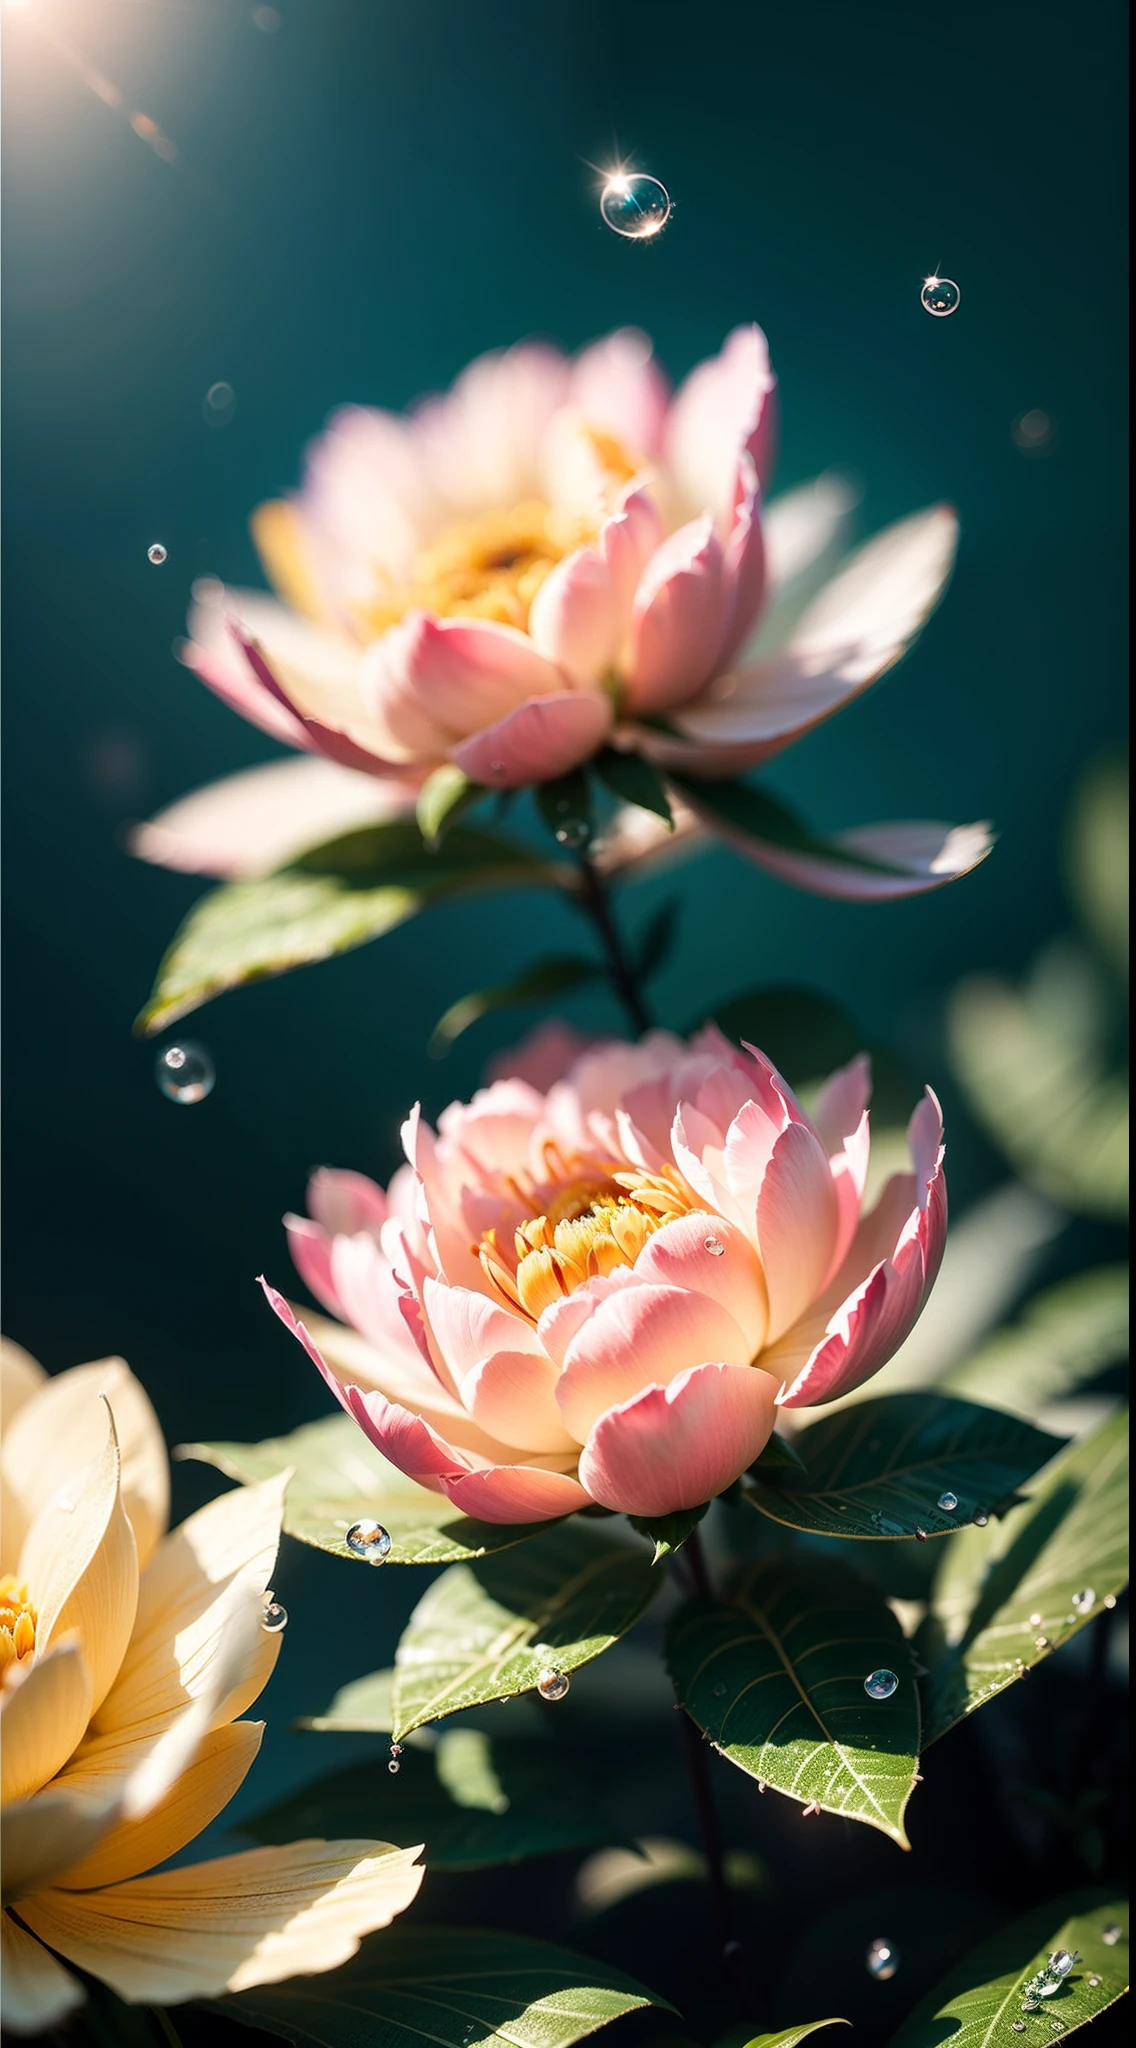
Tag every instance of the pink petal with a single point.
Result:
(859, 626)
(919, 857)
(515, 1493)
(681, 611)
(582, 612)
(213, 655)
(538, 741)
(251, 823)
(310, 1247)
(332, 740)
(712, 1257)
(637, 1337)
(506, 1378)
(560, 1323)
(481, 442)
(371, 1299)
(744, 569)
(454, 676)
(840, 1116)
(674, 1448)
(797, 1219)
(726, 408)
(542, 1058)
(617, 385)
(346, 1203)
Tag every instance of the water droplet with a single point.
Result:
(882, 1960)
(370, 1541)
(635, 205)
(761, 1784)
(718, 1692)
(1031, 2004)
(714, 1246)
(1022, 1671)
(274, 1618)
(396, 1749)
(1035, 1621)
(948, 1502)
(1093, 1983)
(1058, 2026)
(1109, 1601)
(1019, 2026)
(1111, 1934)
(156, 553)
(1042, 1643)
(1062, 1961)
(880, 1685)
(185, 1072)
(394, 1767)
(1086, 1601)
(921, 1535)
(496, 767)
(574, 832)
(981, 1518)
(940, 296)
(552, 1685)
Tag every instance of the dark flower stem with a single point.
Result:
(702, 1792)
(596, 902)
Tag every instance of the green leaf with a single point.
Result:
(657, 939)
(331, 899)
(788, 2037)
(566, 807)
(757, 815)
(1069, 1538)
(362, 1707)
(634, 781)
(446, 1986)
(1035, 1065)
(879, 1470)
(807, 1036)
(775, 1677)
(339, 1478)
(444, 797)
(1097, 856)
(489, 1631)
(779, 1456)
(553, 977)
(1062, 1340)
(978, 2002)
(668, 1533)
(472, 1799)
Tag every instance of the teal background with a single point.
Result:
(363, 201)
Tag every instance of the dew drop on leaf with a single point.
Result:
(880, 1685)
(552, 1685)
(370, 1541)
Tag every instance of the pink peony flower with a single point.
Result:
(555, 555)
(602, 1290)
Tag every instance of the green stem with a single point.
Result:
(596, 902)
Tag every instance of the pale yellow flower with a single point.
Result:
(127, 1655)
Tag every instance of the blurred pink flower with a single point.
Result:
(601, 1290)
(555, 555)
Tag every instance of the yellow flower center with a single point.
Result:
(490, 567)
(18, 1620)
(588, 1224)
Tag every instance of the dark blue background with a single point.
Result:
(363, 201)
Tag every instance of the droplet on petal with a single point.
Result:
(185, 1073)
(635, 205)
(948, 1502)
(274, 1618)
(940, 296)
(552, 1685)
(714, 1246)
(882, 1960)
(880, 1685)
(370, 1541)
(156, 553)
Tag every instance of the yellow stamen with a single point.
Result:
(490, 567)
(18, 1620)
(589, 1223)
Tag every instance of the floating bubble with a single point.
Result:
(185, 1073)
(219, 405)
(635, 205)
(714, 1246)
(1085, 1602)
(882, 1960)
(948, 1502)
(156, 553)
(266, 19)
(274, 1618)
(880, 1685)
(1034, 432)
(370, 1541)
(552, 1685)
(940, 296)
(981, 1518)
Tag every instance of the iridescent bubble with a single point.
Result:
(552, 1685)
(880, 1685)
(948, 1502)
(370, 1541)
(635, 205)
(882, 1960)
(185, 1073)
(156, 553)
(940, 296)
(274, 1618)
